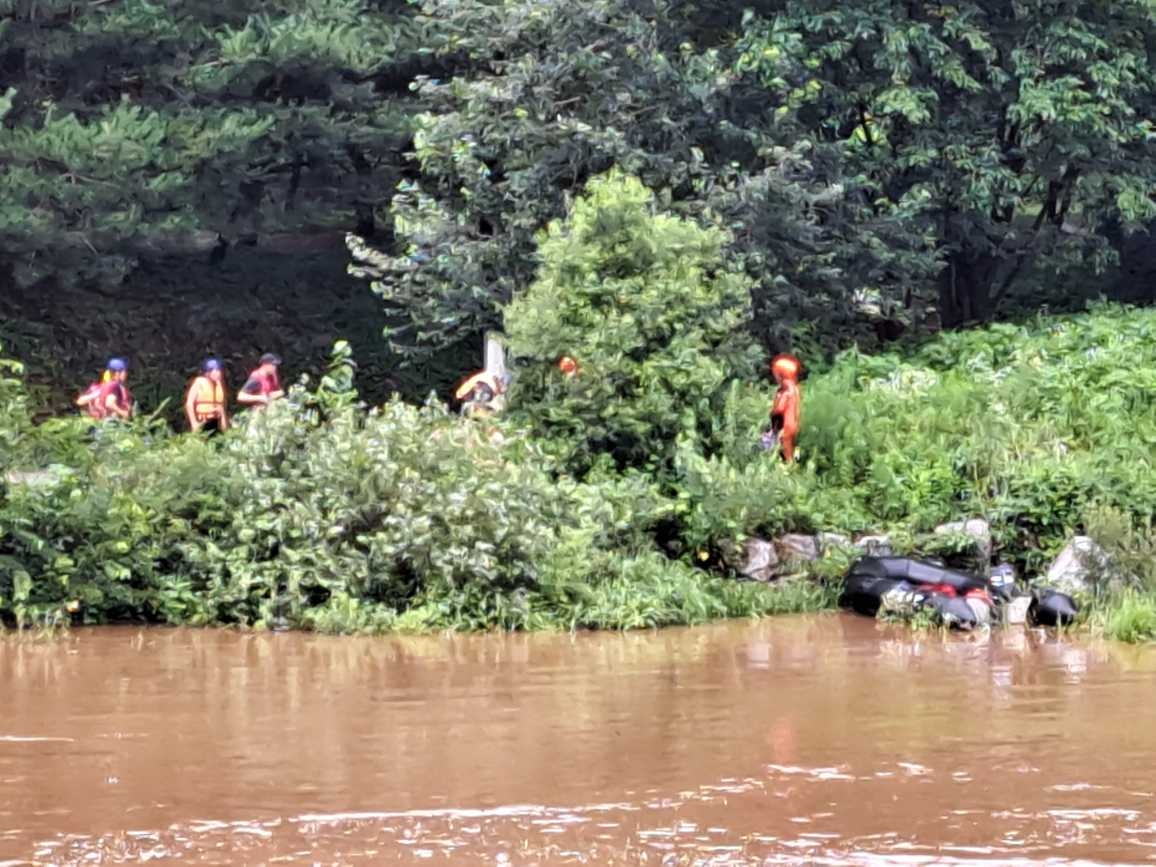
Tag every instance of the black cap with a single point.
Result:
(270, 358)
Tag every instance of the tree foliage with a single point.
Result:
(645, 302)
(136, 127)
(1017, 135)
(556, 93)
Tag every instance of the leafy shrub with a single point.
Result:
(316, 513)
(644, 302)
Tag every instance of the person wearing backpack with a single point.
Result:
(110, 397)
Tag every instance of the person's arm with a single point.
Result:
(191, 408)
(250, 393)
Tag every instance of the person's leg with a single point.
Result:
(787, 441)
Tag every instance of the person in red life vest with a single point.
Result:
(263, 385)
(788, 401)
(568, 366)
(110, 397)
(205, 401)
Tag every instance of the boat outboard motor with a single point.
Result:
(1052, 608)
(1003, 583)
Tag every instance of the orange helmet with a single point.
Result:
(786, 366)
(568, 365)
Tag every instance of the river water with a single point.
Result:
(828, 740)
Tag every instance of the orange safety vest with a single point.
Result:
(207, 405)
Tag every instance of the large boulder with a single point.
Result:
(759, 561)
(1084, 566)
(977, 528)
(796, 549)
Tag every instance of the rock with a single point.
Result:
(833, 542)
(760, 561)
(874, 546)
(977, 528)
(1082, 566)
(795, 548)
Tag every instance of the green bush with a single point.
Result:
(319, 514)
(645, 303)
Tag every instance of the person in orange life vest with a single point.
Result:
(479, 394)
(263, 385)
(788, 399)
(568, 366)
(205, 401)
(110, 397)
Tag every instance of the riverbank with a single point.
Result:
(322, 515)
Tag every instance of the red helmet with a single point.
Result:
(786, 366)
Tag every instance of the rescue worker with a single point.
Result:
(788, 400)
(568, 366)
(205, 401)
(110, 397)
(479, 393)
(263, 385)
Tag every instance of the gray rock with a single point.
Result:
(833, 542)
(977, 528)
(875, 546)
(1084, 566)
(796, 548)
(760, 561)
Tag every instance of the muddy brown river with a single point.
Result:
(827, 740)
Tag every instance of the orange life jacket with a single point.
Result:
(208, 398)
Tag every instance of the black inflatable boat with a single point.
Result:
(905, 584)
(958, 598)
(918, 572)
(866, 594)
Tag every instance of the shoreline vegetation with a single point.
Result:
(610, 500)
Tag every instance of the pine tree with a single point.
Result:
(138, 126)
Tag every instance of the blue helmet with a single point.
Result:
(211, 364)
(117, 365)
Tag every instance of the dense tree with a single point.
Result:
(140, 126)
(1017, 134)
(554, 93)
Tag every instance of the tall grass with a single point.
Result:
(1129, 617)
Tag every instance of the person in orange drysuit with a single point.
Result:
(785, 409)
(568, 366)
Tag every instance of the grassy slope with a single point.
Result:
(1046, 429)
